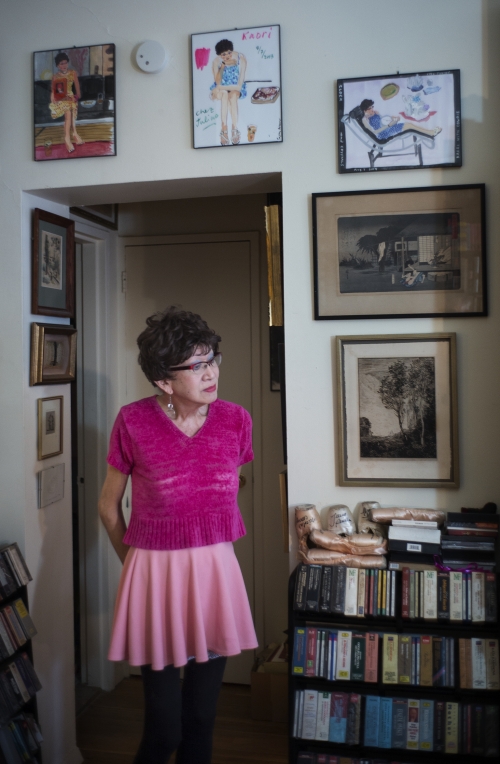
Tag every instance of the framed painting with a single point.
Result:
(397, 410)
(50, 426)
(53, 265)
(407, 252)
(102, 214)
(236, 85)
(399, 122)
(53, 354)
(74, 109)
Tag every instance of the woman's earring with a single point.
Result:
(171, 412)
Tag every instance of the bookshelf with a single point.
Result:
(20, 735)
(369, 695)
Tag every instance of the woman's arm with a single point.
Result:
(110, 509)
(243, 68)
(373, 130)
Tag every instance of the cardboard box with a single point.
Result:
(269, 697)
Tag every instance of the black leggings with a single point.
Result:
(180, 718)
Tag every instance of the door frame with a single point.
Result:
(252, 238)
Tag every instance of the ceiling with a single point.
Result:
(159, 190)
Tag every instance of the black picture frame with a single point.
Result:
(260, 114)
(89, 83)
(400, 253)
(422, 128)
(53, 265)
(102, 214)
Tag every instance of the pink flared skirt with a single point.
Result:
(178, 604)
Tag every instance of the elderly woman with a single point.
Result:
(181, 599)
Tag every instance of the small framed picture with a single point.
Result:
(53, 354)
(397, 411)
(401, 122)
(401, 253)
(103, 214)
(53, 265)
(236, 87)
(50, 426)
(74, 108)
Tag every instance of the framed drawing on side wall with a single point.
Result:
(403, 253)
(53, 265)
(397, 410)
(53, 354)
(399, 122)
(50, 426)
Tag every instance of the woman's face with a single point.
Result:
(63, 65)
(370, 112)
(189, 387)
(226, 56)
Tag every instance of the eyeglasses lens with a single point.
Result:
(199, 368)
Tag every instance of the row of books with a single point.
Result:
(478, 664)
(413, 659)
(400, 723)
(345, 591)
(16, 627)
(18, 684)
(449, 596)
(20, 739)
(13, 571)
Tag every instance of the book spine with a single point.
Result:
(412, 594)
(312, 635)
(490, 597)
(372, 584)
(477, 730)
(461, 663)
(426, 741)
(351, 594)
(385, 723)
(340, 591)
(451, 729)
(309, 714)
(413, 725)
(372, 710)
(430, 595)
(399, 722)
(393, 593)
(353, 719)
(478, 664)
(426, 661)
(404, 662)
(491, 731)
(361, 593)
(478, 597)
(456, 596)
(344, 646)
(383, 608)
(338, 717)
(379, 592)
(326, 589)
(358, 651)
(390, 659)
(443, 582)
(421, 591)
(367, 591)
(313, 588)
(333, 586)
(299, 651)
(492, 671)
(439, 720)
(24, 618)
(323, 716)
(438, 668)
(371, 657)
(301, 587)
(468, 664)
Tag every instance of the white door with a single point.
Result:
(214, 279)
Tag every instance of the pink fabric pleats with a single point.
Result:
(177, 604)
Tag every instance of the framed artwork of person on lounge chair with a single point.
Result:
(236, 81)
(400, 253)
(401, 122)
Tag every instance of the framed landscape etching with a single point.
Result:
(74, 109)
(397, 410)
(53, 265)
(236, 82)
(402, 253)
(399, 122)
(50, 426)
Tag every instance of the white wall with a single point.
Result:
(321, 41)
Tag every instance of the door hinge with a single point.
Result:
(124, 281)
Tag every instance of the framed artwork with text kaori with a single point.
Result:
(236, 81)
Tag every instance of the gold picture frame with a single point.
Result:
(397, 410)
(53, 354)
(50, 426)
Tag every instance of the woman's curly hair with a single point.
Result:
(170, 339)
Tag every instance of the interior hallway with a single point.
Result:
(109, 729)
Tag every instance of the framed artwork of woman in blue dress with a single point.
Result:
(236, 87)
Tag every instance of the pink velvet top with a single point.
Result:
(184, 490)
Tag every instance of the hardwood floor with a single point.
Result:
(109, 729)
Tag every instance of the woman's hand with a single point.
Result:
(110, 510)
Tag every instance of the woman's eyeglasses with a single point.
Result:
(201, 366)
